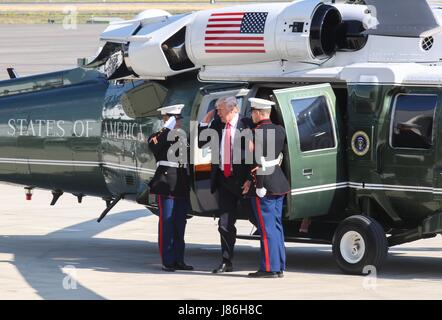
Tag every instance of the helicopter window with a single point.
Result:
(314, 123)
(144, 100)
(412, 125)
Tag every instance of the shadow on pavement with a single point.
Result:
(36, 257)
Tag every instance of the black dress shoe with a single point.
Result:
(182, 266)
(223, 267)
(280, 274)
(263, 274)
(168, 268)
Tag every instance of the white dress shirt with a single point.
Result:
(233, 126)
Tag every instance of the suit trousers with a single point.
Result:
(228, 204)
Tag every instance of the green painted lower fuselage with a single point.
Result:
(70, 131)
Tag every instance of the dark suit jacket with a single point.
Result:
(241, 172)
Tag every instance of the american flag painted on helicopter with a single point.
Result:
(235, 32)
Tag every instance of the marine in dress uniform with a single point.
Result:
(171, 185)
(269, 186)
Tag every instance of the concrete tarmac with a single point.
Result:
(61, 252)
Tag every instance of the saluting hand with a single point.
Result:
(209, 116)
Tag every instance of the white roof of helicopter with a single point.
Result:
(404, 46)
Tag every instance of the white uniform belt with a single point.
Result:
(171, 164)
(271, 163)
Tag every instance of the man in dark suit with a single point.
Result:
(228, 177)
(171, 185)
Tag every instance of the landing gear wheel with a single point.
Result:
(359, 242)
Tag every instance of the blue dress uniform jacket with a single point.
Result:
(268, 209)
(276, 183)
(171, 185)
(167, 181)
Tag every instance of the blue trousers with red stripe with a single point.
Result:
(171, 228)
(268, 214)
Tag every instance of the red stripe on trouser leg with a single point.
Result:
(160, 206)
(264, 235)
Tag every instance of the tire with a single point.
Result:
(359, 242)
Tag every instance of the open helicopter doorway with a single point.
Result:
(202, 200)
(315, 136)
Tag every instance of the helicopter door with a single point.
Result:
(203, 201)
(309, 116)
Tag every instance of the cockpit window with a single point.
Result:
(314, 123)
(413, 118)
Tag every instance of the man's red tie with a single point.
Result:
(227, 152)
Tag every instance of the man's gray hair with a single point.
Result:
(229, 101)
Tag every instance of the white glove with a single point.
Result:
(170, 124)
(261, 192)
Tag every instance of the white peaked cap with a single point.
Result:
(261, 104)
(173, 110)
